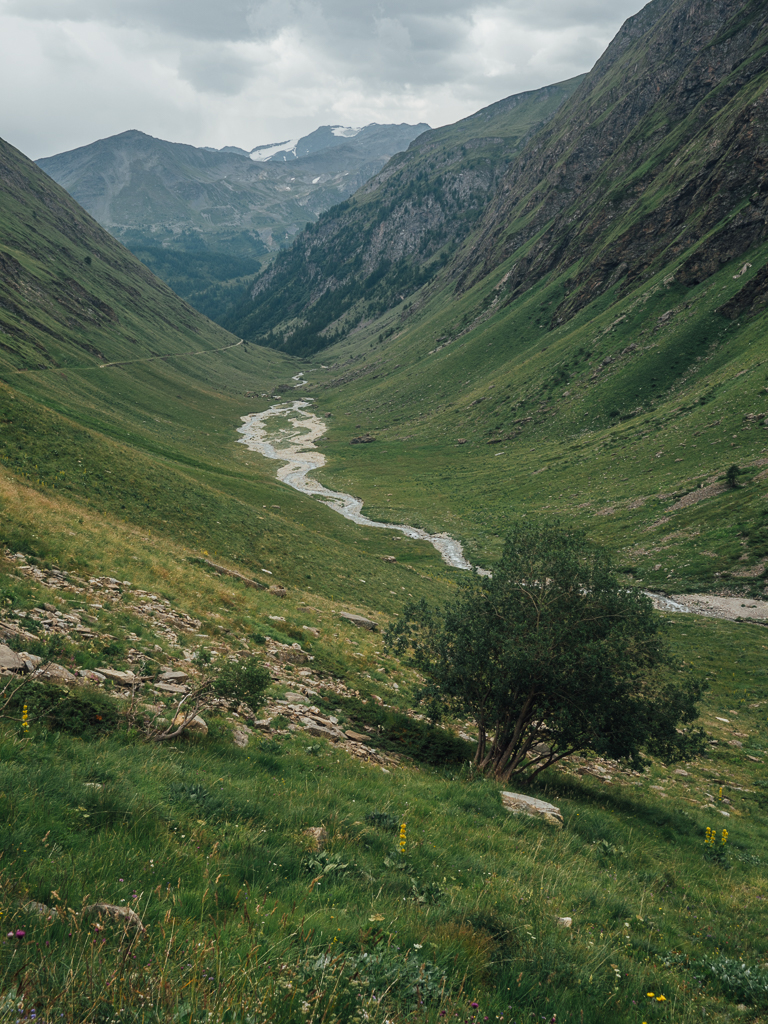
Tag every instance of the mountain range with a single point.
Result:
(203, 218)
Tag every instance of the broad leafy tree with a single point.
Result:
(551, 655)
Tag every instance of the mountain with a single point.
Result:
(400, 228)
(659, 152)
(202, 219)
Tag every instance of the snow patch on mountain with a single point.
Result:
(263, 153)
(345, 133)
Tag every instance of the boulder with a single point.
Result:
(265, 724)
(296, 698)
(196, 725)
(359, 620)
(122, 915)
(388, 558)
(116, 676)
(10, 660)
(518, 803)
(40, 909)
(278, 591)
(31, 661)
(54, 673)
(294, 657)
(564, 922)
(176, 678)
(241, 736)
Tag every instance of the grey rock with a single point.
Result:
(518, 803)
(241, 736)
(177, 678)
(54, 673)
(10, 660)
(296, 698)
(116, 676)
(196, 725)
(91, 675)
(264, 724)
(321, 731)
(359, 620)
(121, 915)
(171, 688)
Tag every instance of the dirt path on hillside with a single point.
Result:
(126, 362)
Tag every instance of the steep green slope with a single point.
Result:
(658, 159)
(368, 254)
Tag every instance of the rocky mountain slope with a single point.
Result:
(363, 256)
(657, 159)
(202, 219)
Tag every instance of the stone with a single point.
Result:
(241, 736)
(359, 737)
(55, 673)
(518, 803)
(116, 676)
(564, 922)
(388, 558)
(363, 439)
(196, 725)
(10, 660)
(681, 771)
(318, 837)
(263, 723)
(40, 909)
(32, 662)
(321, 731)
(122, 915)
(90, 675)
(278, 591)
(359, 620)
(296, 698)
(171, 688)
(177, 678)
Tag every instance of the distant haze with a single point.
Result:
(249, 73)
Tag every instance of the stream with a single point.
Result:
(294, 444)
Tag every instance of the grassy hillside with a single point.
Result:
(211, 844)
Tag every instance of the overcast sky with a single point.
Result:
(251, 72)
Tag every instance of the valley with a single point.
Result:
(553, 310)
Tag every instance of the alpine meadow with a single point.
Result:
(391, 649)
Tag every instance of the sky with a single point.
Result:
(251, 72)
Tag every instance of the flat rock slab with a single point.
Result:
(359, 620)
(297, 698)
(518, 803)
(174, 677)
(360, 737)
(116, 676)
(171, 688)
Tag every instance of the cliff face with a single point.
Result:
(397, 231)
(661, 152)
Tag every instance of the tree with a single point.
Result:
(732, 477)
(552, 655)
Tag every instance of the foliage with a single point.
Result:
(551, 655)
(82, 711)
